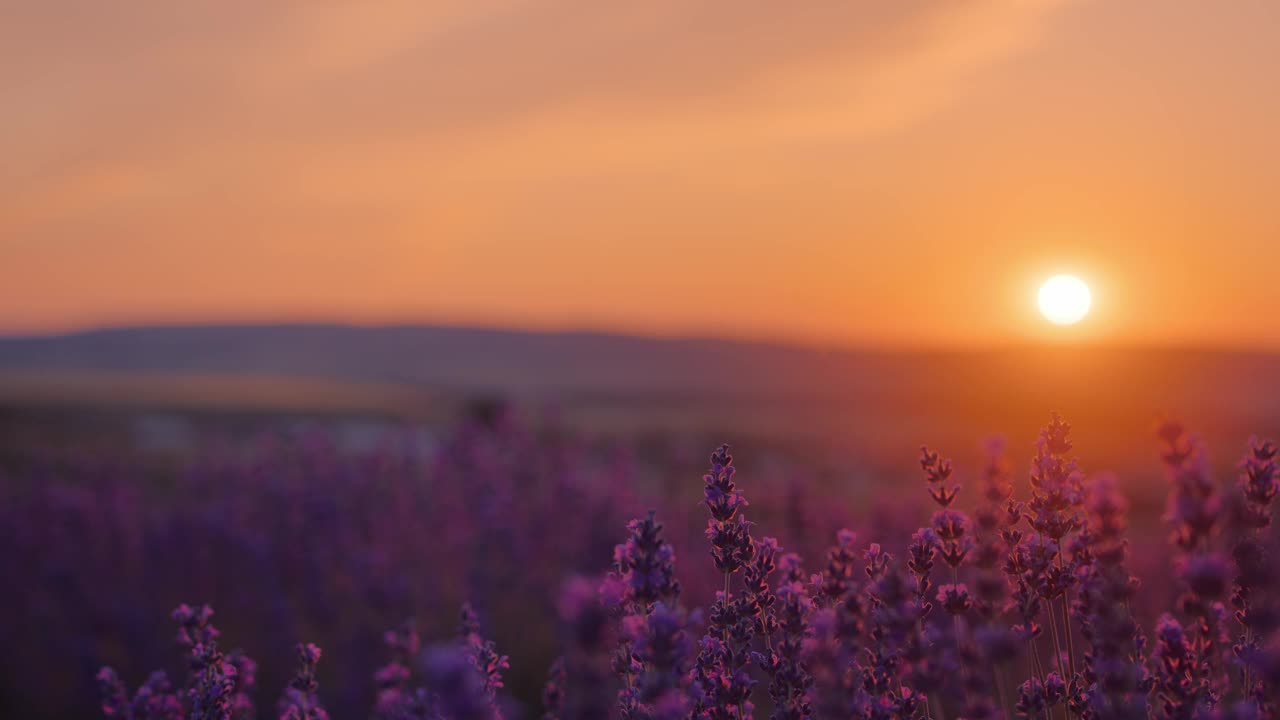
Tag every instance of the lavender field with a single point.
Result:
(661, 360)
(502, 568)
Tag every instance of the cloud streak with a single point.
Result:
(133, 100)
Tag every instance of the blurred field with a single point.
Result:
(324, 484)
(823, 403)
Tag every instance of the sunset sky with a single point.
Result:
(850, 173)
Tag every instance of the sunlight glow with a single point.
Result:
(1065, 299)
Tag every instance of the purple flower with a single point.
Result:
(584, 618)
(553, 691)
(837, 577)
(1194, 505)
(211, 689)
(1055, 689)
(791, 680)
(835, 684)
(643, 579)
(731, 543)
(300, 701)
(246, 676)
(757, 602)
(482, 653)
(877, 561)
(1032, 702)
(664, 652)
(115, 701)
(1207, 576)
(155, 700)
(646, 563)
(394, 699)
(937, 472)
(1259, 481)
(1178, 678)
(458, 687)
(922, 550)
(720, 494)
(955, 599)
(194, 628)
(725, 653)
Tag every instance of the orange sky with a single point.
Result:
(865, 173)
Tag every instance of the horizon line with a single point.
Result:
(892, 347)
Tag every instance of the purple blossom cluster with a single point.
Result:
(1017, 598)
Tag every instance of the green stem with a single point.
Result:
(955, 581)
(726, 607)
(1066, 620)
(1000, 692)
(1053, 633)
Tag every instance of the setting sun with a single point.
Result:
(1064, 299)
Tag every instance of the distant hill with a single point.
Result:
(868, 398)
(489, 359)
(467, 358)
(455, 357)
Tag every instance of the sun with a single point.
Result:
(1064, 299)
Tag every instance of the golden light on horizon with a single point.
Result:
(1064, 299)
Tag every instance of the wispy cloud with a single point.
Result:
(115, 101)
